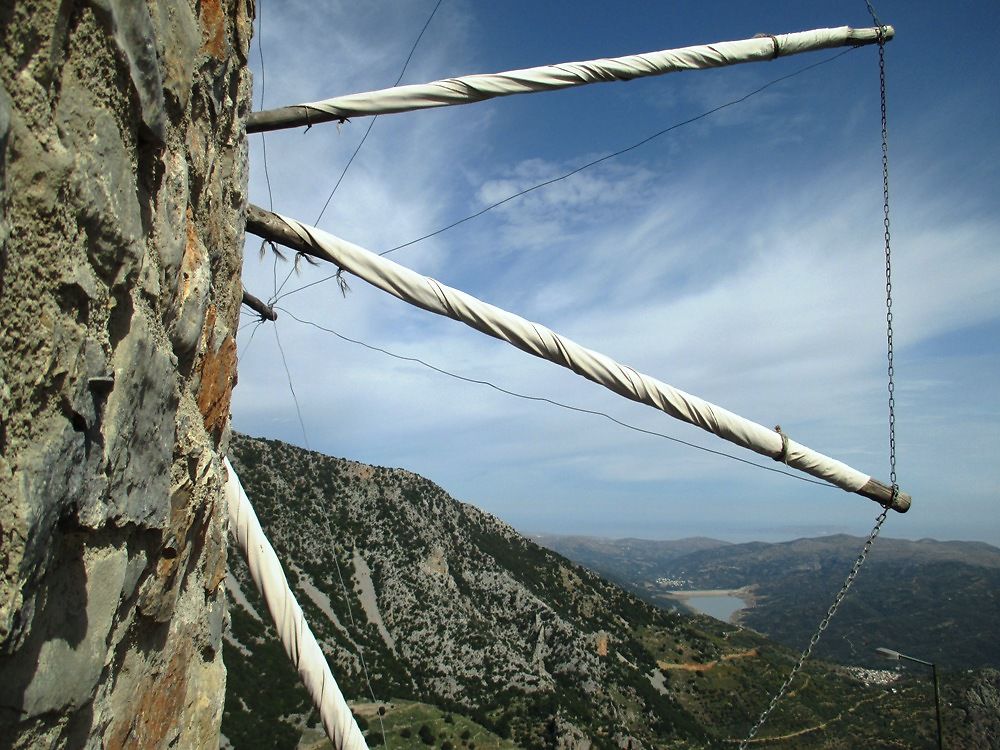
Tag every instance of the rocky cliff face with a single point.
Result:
(978, 711)
(122, 191)
(447, 606)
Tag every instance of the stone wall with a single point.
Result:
(122, 198)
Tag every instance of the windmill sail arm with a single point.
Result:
(536, 339)
(297, 638)
(479, 87)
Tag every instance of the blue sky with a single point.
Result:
(739, 258)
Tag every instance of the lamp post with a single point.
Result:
(888, 653)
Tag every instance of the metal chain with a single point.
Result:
(888, 271)
(819, 631)
(892, 412)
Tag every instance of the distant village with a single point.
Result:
(884, 677)
(673, 583)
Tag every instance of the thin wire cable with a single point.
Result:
(304, 287)
(361, 649)
(293, 270)
(543, 399)
(274, 278)
(364, 138)
(253, 332)
(588, 165)
(347, 166)
(372, 122)
(277, 289)
(291, 388)
(874, 15)
(416, 42)
(620, 152)
(263, 140)
(343, 586)
(270, 199)
(275, 297)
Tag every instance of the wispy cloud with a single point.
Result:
(748, 270)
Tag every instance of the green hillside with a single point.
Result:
(939, 600)
(465, 626)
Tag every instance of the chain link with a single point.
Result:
(776, 699)
(819, 631)
(888, 270)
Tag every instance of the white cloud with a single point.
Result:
(755, 286)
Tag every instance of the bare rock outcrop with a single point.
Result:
(122, 191)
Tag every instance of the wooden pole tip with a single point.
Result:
(882, 494)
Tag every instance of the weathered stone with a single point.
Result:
(122, 192)
(178, 48)
(60, 470)
(4, 131)
(50, 477)
(213, 24)
(206, 685)
(4, 122)
(4, 405)
(214, 557)
(218, 377)
(216, 617)
(77, 622)
(170, 223)
(104, 186)
(136, 567)
(34, 164)
(139, 428)
(133, 32)
(193, 282)
(157, 703)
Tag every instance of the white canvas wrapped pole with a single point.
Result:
(299, 642)
(536, 339)
(477, 88)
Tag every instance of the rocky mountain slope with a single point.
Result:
(939, 600)
(485, 639)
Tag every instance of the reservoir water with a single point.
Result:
(719, 607)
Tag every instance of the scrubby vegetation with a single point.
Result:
(475, 637)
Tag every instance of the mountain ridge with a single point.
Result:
(925, 592)
(495, 641)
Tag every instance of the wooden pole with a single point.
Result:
(480, 87)
(265, 311)
(270, 226)
(882, 494)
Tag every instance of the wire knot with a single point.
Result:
(776, 48)
(783, 456)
